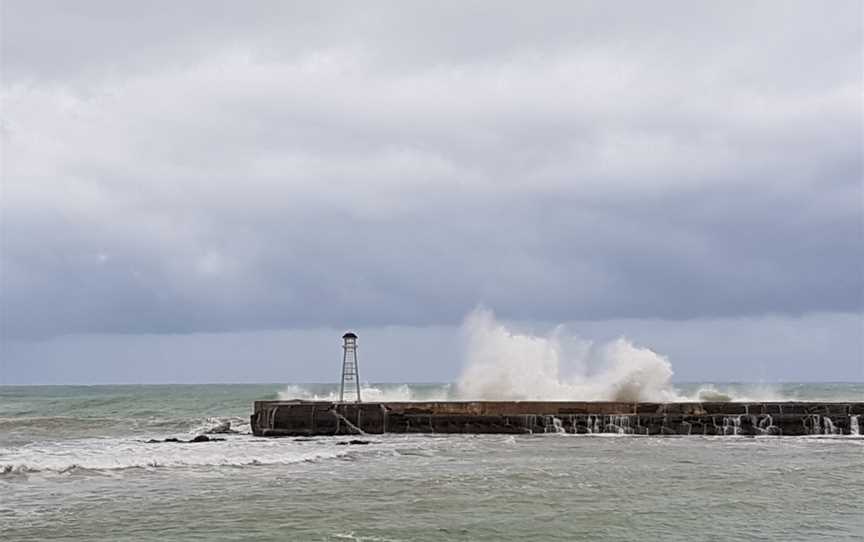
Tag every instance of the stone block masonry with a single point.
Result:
(311, 418)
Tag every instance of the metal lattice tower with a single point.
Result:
(350, 375)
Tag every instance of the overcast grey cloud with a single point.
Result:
(209, 167)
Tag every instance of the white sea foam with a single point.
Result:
(225, 424)
(113, 454)
(750, 392)
(383, 393)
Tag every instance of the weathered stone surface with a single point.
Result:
(307, 418)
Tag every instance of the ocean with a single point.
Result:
(76, 464)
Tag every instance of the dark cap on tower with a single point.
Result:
(350, 335)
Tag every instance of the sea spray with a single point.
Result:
(501, 364)
(371, 393)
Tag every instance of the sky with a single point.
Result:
(215, 191)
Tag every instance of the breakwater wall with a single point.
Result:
(309, 418)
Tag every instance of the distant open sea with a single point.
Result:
(75, 464)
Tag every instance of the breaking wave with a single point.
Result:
(374, 393)
(216, 425)
(96, 455)
(501, 364)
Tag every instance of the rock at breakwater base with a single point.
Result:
(311, 418)
(199, 438)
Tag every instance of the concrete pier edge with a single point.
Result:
(312, 418)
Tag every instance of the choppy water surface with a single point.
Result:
(75, 465)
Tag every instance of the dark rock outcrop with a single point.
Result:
(199, 438)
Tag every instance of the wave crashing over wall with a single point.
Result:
(505, 365)
(501, 364)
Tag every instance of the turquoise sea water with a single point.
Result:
(75, 464)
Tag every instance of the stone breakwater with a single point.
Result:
(308, 418)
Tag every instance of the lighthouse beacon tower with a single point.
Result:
(350, 376)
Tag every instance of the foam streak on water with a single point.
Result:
(113, 454)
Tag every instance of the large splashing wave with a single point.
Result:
(504, 364)
(500, 363)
